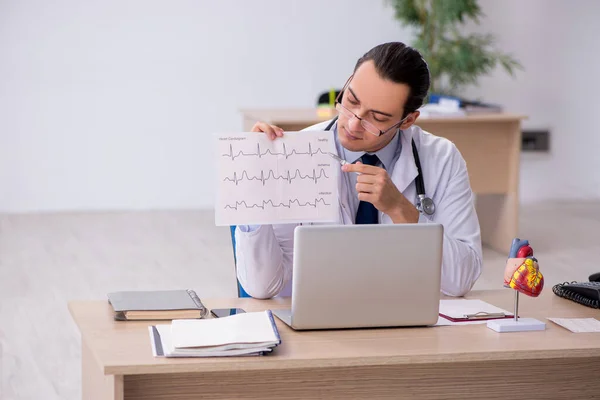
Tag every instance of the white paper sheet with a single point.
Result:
(246, 328)
(459, 308)
(290, 179)
(578, 325)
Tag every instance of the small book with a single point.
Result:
(253, 333)
(156, 305)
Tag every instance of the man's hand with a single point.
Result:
(272, 131)
(375, 186)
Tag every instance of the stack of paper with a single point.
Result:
(253, 333)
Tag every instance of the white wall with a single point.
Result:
(557, 41)
(109, 105)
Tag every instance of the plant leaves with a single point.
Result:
(454, 59)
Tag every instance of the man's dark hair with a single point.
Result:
(400, 63)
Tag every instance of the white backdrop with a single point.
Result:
(557, 42)
(109, 105)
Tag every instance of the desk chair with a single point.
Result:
(241, 291)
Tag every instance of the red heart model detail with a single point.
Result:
(525, 251)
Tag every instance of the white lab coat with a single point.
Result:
(264, 256)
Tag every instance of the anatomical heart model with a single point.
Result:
(522, 271)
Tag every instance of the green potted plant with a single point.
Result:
(455, 59)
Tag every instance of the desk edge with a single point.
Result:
(266, 363)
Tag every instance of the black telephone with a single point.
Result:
(586, 293)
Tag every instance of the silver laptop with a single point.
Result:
(358, 276)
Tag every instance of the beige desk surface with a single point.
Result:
(310, 116)
(123, 348)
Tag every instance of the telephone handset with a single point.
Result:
(586, 293)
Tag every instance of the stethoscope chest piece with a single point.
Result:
(425, 205)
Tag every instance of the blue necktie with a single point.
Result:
(367, 213)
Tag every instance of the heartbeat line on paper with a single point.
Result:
(260, 154)
(272, 204)
(271, 175)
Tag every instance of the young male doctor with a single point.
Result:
(377, 110)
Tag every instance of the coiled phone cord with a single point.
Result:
(576, 297)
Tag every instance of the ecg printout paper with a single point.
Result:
(291, 179)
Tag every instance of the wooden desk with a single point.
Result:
(458, 362)
(490, 145)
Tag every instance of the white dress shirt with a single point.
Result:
(387, 159)
(265, 253)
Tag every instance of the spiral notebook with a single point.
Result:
(253, 333)
(156, 305)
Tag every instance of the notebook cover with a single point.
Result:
(158, 300)
(157, 343)
(274, 326)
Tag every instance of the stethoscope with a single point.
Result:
(424, 204)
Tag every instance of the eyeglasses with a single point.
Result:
(368, 126)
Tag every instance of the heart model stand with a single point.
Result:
(522, 274)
